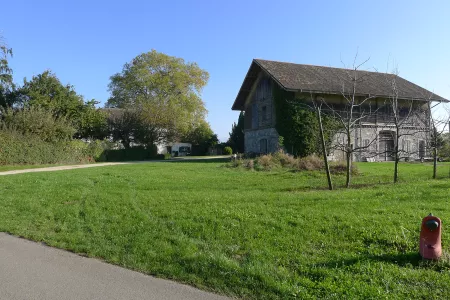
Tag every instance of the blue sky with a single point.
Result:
(85, 42)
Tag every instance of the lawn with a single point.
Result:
(252, 235)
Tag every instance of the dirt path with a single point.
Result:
(59, 168)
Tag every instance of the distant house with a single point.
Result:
(175, 149)
(299, 81)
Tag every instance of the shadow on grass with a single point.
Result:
(408, 259)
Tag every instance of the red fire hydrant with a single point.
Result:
(430, 237)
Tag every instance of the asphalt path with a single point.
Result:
(30, 270)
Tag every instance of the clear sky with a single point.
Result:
(85, 42)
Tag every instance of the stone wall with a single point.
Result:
(253, 140)
(409, 143)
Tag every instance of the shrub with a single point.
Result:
(266, 162)
(38, 122)
(249, 164)
(280, 159)
(96, 150)
(340, 167)
(18, 148)
(227, 150)
(310, 163)
(285, 159)
(132, 154)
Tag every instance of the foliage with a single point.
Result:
(297, 123)
(6, 82)
(19, 148)
(92, 122)
(165, 88)
(249, 235)
(444, 146)
(128, 126)
(47, 92)
(236, 139)
(132, 154)
(5, 69)
(39, 122)
(282, 160)
(227, 150)
(201, 137)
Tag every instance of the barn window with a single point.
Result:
(263, 146)
(264, 113)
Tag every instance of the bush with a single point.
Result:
(227, 150)
(340, 168)
(281, 159)
(310, 163)
(132, 154)
(35, 121)
(18, 148)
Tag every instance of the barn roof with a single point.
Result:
(329, 80)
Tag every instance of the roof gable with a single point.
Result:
(318, 79)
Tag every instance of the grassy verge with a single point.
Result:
(255, 235)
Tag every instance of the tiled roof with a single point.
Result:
(318, 79)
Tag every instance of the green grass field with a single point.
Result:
(252, 235)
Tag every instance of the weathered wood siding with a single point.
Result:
(260, 134)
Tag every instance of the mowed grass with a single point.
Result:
(252, 235)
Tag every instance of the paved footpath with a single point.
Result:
(71, 167)
(32, 271)
(59, 168)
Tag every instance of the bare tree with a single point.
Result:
(405, 120)
(438, 126)
(318, 109)
(356, 109)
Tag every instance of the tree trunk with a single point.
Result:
(397, 159)
(396, 168)
(434, 161)
(349, 168)
(324, 150)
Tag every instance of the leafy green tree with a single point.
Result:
(444, 146)
(236, 139)
(92, 122)
(165, 89)
(123, 125)
(202, 138)
(5, 70)
(47, 92)
(39, 122)
(6, 85)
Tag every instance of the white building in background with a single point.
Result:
(175, 149)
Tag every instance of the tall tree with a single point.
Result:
(47, 92)
(202, 138)
(165, 88)
(236, 139)
(6, 83)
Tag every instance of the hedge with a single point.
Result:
(17, 148)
